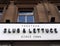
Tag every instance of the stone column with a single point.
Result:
(41, 13)
(54, 12)
(10, 12)
(16, 14)
(36, 16)
(47, 9)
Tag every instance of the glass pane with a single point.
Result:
(21, 18)
(30, 18)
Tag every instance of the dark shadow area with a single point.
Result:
(52, 20)
(7, 21)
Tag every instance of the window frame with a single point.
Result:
(1, 12)
(32, 14)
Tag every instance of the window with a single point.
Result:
(1, 12)
(30, 18)
(25, 16)
(21, 18)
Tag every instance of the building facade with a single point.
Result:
(38, 11)
(30, 11)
